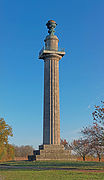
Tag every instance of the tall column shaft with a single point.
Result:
(51, 122)
(51, 56)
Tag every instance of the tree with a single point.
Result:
(64, 142)
(81, 147)
(23, 151)
(98, 117)
(93, 134)
(98, 114)
(6, 150)
(5, 132)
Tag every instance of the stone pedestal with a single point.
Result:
(50, 152)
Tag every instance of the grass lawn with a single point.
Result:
(32, 174)
(49, 175)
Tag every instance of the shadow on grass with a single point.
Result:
(55, 164)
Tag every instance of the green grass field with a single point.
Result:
(76, 170)
(49, 175)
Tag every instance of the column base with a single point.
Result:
(50, 152)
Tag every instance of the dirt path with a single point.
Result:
(7, 167)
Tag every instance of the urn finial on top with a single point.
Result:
(51, 26)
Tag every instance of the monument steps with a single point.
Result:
(50, 152)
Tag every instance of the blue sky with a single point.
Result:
(23, 29)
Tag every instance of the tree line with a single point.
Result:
(91, 143)
(8, 151)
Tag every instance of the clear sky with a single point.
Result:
(23, 29)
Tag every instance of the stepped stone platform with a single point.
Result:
(50, 152)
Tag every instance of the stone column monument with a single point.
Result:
(51, 148)
(51, 57)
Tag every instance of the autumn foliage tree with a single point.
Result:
(98, 117)
(6, 150)
(93, 134)
(81, 147)
(92, 141)
(64, 142)
(98, 114)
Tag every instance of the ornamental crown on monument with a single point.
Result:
(51, 25)
(51, 43)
